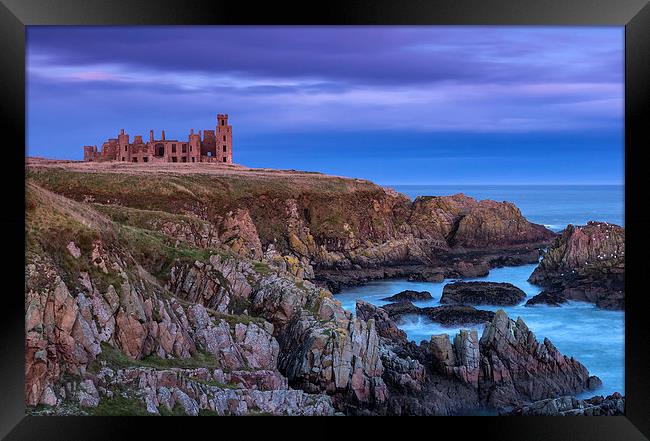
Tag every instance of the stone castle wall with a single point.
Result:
(213, 146)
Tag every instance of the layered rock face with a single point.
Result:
(162, 293)
(506, 367)
(516, 367)
(339, 231)
(585, 263)
(214, 332)
(481, 293)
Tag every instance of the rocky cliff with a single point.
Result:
(506, 367)
(194, 291)
(585, 263)
(330, 229)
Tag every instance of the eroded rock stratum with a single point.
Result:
(206, 293)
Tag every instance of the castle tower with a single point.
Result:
(123, 146)
(150, 135)
(223, 139)
(194, 154)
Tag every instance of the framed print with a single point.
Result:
(376, 210)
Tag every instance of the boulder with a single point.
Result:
(409, 295)
(481, 293)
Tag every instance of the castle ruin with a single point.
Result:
(211, 146)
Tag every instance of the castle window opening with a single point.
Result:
(183, 159)
(135, 159)
(224, 148)
(160, 150)
(209, 153)
(173, 148)
(192, 159)
(126, 147)
(224, 138)
(123, 159)
(225, 159)
(184, 148)
(223, 122)
(174, 159)
(145, 159)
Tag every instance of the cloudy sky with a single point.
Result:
(397, 105)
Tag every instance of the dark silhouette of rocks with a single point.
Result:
(409, 295)
(482, 293)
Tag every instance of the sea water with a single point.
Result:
(593, 336)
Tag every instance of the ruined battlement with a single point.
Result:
(210, 146)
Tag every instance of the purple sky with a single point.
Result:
(472, 101)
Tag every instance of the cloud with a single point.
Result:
(308, 79)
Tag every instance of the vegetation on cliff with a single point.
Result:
(194, 291)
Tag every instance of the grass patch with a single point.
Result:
(176, 411)
(262, 268)
(115, 359)
(119, 406)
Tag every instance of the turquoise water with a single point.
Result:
(594, 337)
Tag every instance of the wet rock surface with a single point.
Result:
(503, 368)
(448, 315)
(482, 293)
(409, 295)
(585, 263)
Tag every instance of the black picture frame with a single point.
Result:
(16, 14)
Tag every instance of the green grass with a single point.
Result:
(119, 406)
(176, 411)
(115, 359)
(262, 268)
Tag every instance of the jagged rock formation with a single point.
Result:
(91, 306)
(585, 263)
(506, 367)
(481, 293)
(516, 367)
(195, 294)
(570, 406)
(409, 295)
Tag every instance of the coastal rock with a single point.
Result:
(461, 360)
(194, 391)
(570, 406)
(515, 367)
(465, 222)
(481, 293)
(448, 315)
(585, 263)
(469, 269)
(409, 295)
(340, 358)
(216, 284)
(385, 326)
